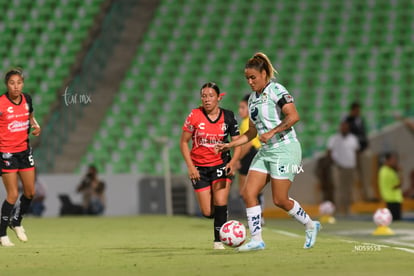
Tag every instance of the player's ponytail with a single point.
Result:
(13, 71)
(261, 62)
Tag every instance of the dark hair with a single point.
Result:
(13, 71)
(246, 98)
(211, 85)
(355, 105)
(261, 62)
(389, 155)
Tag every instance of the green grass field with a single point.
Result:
(159, 245)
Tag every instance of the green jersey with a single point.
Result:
(265, 110)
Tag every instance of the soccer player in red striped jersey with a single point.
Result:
(210, 172)
(16, 120)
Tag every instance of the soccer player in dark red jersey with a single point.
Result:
(16, 120)
(210, 172)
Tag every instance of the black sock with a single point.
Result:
(219, 219)
(6, 210)
(21, 210)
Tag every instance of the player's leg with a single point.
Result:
(10, 184)
(280, 194)
(282, 172)
(255, 182)
(242, 183)
(27, 176)
(204, 199)
(220, 191)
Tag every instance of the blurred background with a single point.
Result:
(110, 78)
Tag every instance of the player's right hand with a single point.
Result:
(193, 173)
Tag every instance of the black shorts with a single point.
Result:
(209, 176)
(247, 160)
(18, 161)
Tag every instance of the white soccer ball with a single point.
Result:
(327, 208)
(382, 217)
(233, 233)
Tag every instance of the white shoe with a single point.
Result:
(252, 245)
(20, 233)
(218, 246)
(5, 241)
(311, 235)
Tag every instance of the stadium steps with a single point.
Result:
(134, 24)
(356, 208)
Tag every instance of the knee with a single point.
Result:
(283, 203)
(30, 195)
(12, 197)
(208, 215)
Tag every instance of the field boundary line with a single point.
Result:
(286, 233)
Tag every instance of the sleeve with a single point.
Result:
(282, 96)
(29, 102)
(189, 123)
(356, 142)
(232, 125)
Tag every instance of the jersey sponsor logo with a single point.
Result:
(16, 126)
(207, 140)
(253, 113)
(10, 109)
(264, 97)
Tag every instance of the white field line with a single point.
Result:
(286, 233)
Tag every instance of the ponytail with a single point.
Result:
(261, 62)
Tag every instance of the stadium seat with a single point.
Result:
(328, 54)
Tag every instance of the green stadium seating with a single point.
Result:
(328, 54)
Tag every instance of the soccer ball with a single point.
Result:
(382, 217)
(326, 208)
(233, 233)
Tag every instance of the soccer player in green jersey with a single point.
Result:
(272, 115)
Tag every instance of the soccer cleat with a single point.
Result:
(311, 235)
(20, 233)
(251, 246)
(5, 241)
(218, 246)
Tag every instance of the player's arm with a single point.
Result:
(291, 118)
(232, 165)
(244, 149)
(243, 139)
(185, 151)
(34, 124)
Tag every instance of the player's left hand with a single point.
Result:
(265, 137)
(36, 130)
(222, 147)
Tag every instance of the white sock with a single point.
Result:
(300, 215)
(254, 221)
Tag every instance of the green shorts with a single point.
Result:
(283, 162)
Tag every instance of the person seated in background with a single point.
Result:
(390, 180)
(93, 190)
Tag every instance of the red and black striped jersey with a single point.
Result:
(206, 134)
(14, 123)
